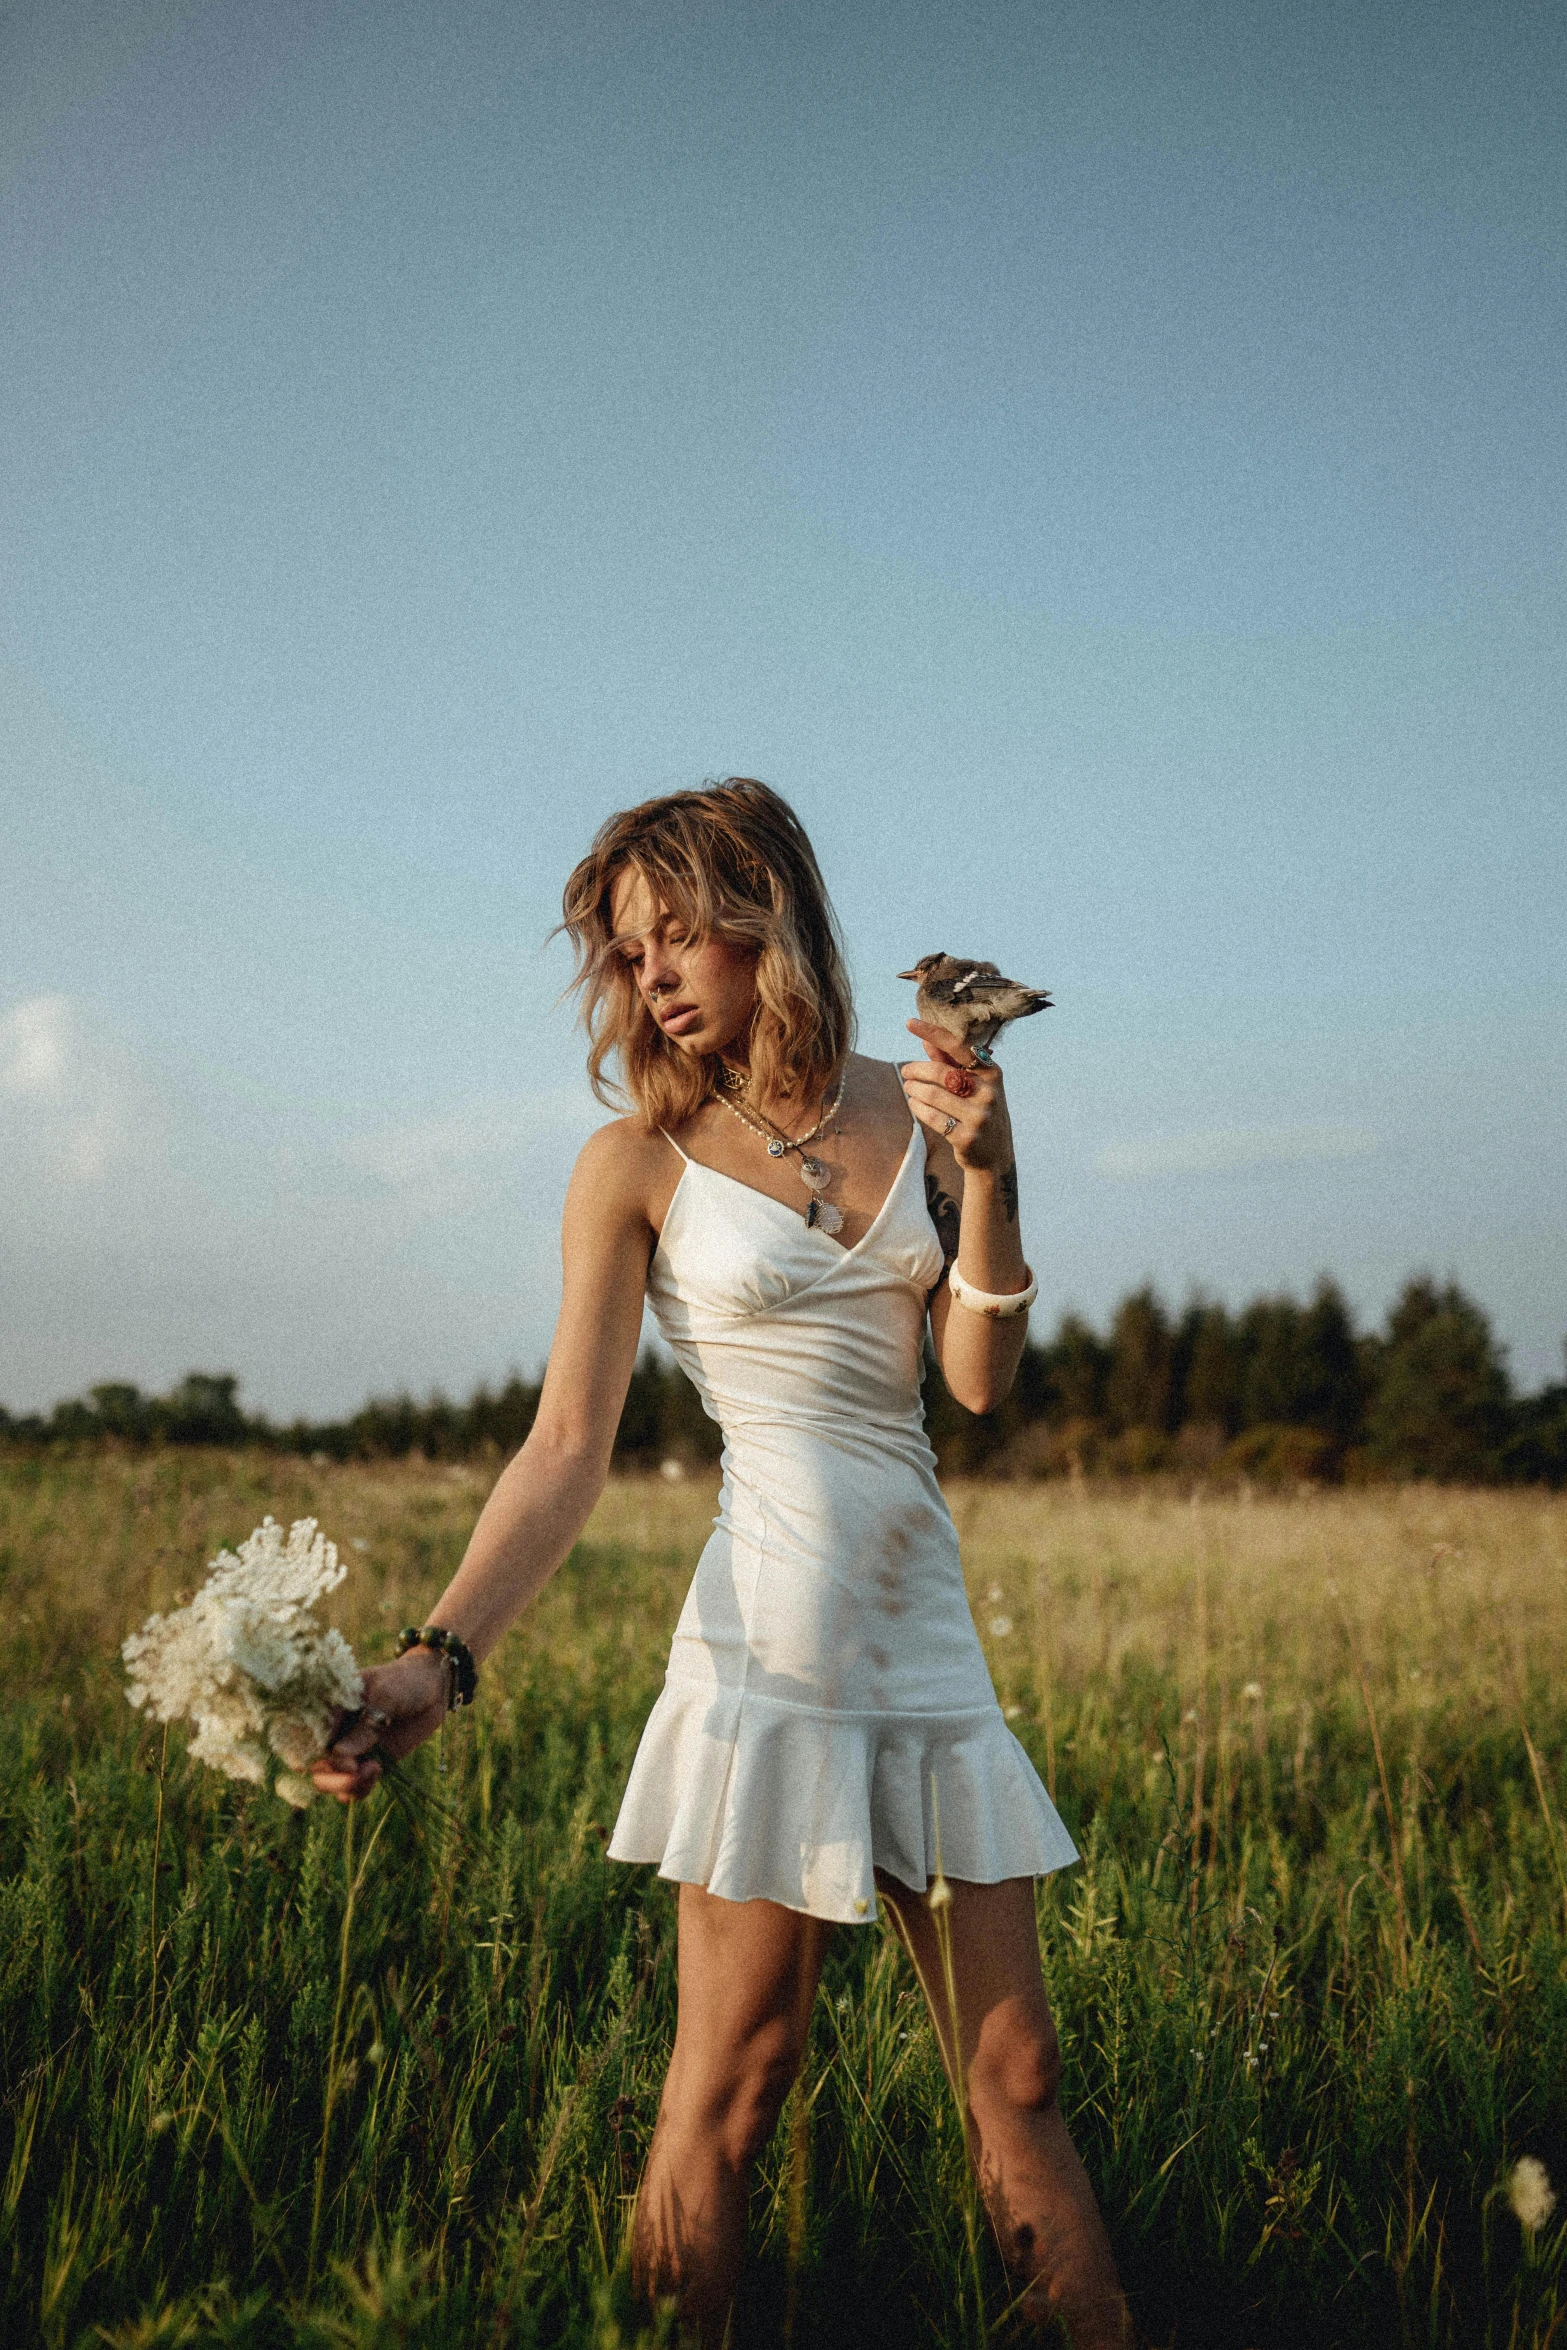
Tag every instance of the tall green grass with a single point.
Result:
(1311, 1977)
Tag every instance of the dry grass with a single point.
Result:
(1444, 1594)
(1311, 1977)
(1431, 1585)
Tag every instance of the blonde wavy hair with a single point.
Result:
(731, 861)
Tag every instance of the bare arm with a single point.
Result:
(971, 1184)
(543, 1496)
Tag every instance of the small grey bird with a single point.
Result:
(971, 999)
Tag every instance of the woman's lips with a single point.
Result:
(680, 1019)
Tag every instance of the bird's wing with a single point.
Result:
(971, 978)
(983, 984)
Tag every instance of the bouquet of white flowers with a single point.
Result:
(247, 1662)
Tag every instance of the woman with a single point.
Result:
(827, 1729)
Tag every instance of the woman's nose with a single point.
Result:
(658, 972)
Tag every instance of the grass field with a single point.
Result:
(1311, 1976)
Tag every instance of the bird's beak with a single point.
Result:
(916, 973)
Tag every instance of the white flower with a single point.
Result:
(223, 1739)
(1252, 1692)
(297, 1738)
(1530, 2192)
(246, 1661)
(1001, 1626)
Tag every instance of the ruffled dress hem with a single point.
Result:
(762, 1799)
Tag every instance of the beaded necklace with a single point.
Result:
(814, 1173)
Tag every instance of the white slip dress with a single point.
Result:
(827, 1710)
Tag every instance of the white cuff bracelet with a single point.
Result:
(998, 1304)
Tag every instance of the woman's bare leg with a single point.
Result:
(1036, 2190)
(748, 1972)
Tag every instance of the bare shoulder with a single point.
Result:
(620, 1168)
(878, 1085)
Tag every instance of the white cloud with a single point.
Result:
(1227, 1149)
(321, 1261)
(71, 1106)
(34, 1048)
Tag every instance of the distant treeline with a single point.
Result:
(1279, 1393)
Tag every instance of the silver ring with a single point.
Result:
(984, 1058)
(947, 1129)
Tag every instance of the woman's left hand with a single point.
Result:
(960, 1099)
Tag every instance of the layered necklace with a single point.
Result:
(814, 1173)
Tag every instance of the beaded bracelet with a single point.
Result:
(464, 1679)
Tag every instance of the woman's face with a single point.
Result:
(701, 996)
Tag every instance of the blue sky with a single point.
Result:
(1105, 464)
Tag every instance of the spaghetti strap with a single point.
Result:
(897, 1068)
(674, 1146)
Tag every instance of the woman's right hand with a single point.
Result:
(412, 1692)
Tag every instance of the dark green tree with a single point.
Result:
(641, 1420)
(1332, 1391)
(1269, 1333)
(1441, 1405)
(1033, 1395)
(663, 1417)
(1210, 1367)
(1139, 1389)
(1077, 1366)
(388, 1427)
(74, 1422)
(504, 1420)
(123, 1411)
(203, 1410)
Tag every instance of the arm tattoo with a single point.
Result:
(1008, 1189)
(944, 1214)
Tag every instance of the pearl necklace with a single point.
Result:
(814, 1173)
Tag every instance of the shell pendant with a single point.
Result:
(821, 1215)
